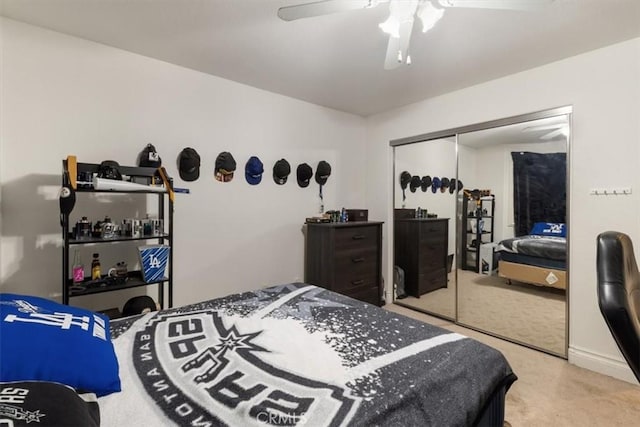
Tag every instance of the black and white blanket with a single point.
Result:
(550, 247)
(297, 354)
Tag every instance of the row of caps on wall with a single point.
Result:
(442, 184)
(225, 167)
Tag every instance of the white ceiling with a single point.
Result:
(337, 60)
(528, 132)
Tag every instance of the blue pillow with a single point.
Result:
(549, 229)
(41, 340)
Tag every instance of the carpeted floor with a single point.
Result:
(549, 390)
(526, 313)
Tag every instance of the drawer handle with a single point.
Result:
(358, 237)
(357, 282)
(356, 260)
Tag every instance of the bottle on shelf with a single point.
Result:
(95, 267)
(78, 267)
(83, 229)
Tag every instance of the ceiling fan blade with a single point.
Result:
(496, 4)
(544, 127)
(553, 134)
(326, 7)
(391, 60)
(398, 47)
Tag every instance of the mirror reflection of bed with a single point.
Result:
(520, 294)
(510, 277)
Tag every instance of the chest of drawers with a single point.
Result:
(346, 258)
(420, 247)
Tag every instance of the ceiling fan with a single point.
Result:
(551, 131)
(402, 13)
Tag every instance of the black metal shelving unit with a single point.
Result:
(478, 224)
(134, 278)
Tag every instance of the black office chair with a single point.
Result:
(619, 293)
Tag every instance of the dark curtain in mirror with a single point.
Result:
(539, 189)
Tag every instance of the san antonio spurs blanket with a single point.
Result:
(294, 355)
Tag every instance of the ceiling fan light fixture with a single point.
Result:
(556, 130)
(400, 12)
(429, 15)
(391, 26)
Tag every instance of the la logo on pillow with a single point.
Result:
(554, 228)
(47, 341)
(549, 229)
(28, 313)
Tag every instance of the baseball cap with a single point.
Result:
(109, 169)
(405, 179)
(304, 174)
(435, 184)
(415, 183)
(138, 305)
(452, 185)
(189, 164)
(444, 184)
(149, 157)
(425, 183)
(67, 198)
(281, 171)
(322, 172)
(225, 166)
(253, 170)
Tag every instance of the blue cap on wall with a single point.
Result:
(253, 170)
(435, 184)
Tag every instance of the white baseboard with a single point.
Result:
(602, 364)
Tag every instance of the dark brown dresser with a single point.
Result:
(420, 248)
(346, 258)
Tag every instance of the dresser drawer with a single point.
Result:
(349, 238)
(370, 295)
(356, 269)
(348, 286)
(345, 258)
(430, 281)
(356, 260)
(432, 256)
(433, 231)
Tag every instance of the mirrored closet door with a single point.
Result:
(504, 213)
(512, 281)
(424, 225)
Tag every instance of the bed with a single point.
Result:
(539, 258)
(297, 354)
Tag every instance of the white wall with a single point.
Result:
(63, 95)
(604, 88)
(436, 158)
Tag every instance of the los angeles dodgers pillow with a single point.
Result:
(549, 229)
(41, 340)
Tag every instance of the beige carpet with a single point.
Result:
(550, 391)
(441, 301)
(530, 314)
